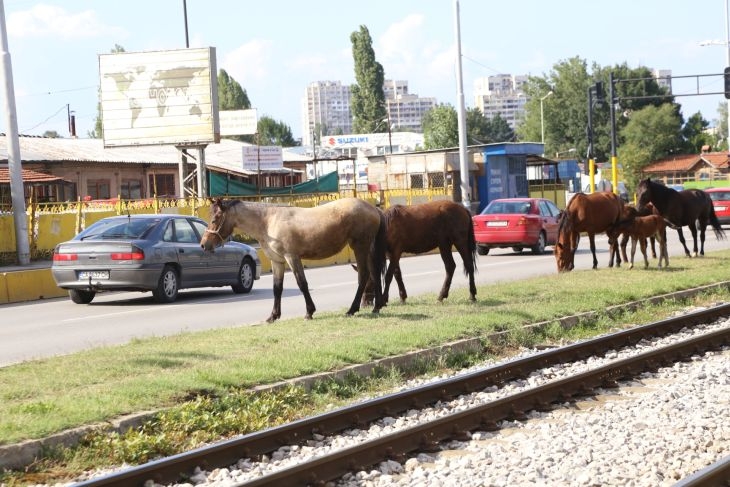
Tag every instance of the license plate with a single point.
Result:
(720, 208)
(497, 224)
(85, 275)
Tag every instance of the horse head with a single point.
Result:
(219, 228)
(644, 193)
(564, 256)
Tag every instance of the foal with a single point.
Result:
(639, 228)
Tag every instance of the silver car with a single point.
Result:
(158, 253)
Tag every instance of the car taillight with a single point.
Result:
(523, 221)
(64, 257)
(135, 254)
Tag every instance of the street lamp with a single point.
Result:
(725, 43)
(542, 121)
(569, 151)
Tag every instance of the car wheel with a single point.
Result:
(539, 247)
(246, 274)
(167, 286)
(517, 249)
(481, 250)
(80, 296)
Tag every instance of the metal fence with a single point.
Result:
(52, 223)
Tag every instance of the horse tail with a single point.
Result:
(379, 249)
(471, 245)
(719, 232)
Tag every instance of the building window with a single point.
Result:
(131, 189)
(162, 185)
(98, 189)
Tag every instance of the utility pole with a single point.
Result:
(461, 116)
(15, 167)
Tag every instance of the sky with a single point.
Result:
(274, 49)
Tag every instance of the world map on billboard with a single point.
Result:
(161, 97)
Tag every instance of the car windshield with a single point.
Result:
(119, 228)
(508, 207)
(719, 195)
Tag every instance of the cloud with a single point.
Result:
(249, 62)
(51, 21)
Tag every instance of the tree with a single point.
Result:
(483, 130)
(440, 128)
(271, 132)
(498, 130)
(98, 131)
(695, 134)
(650, 134)
(52, 134)
(231, 96)
(721, 142)
(367, 98)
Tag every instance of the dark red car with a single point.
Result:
(721, 202)
(517, 223)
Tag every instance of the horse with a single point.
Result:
(288, 234)
(630, 212)
(689, 207)
(420, 228)
(590, 213)
(639, 229)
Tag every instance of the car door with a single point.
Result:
(549, 214)
(190, 255)
(223, 262)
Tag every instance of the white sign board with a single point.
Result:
(159, 97)
(238, 122)
(257, 157)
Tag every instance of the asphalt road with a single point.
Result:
(51, 327)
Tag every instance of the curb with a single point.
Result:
(22, 454)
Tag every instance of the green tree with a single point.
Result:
(98, 131)
(695, 134)
(52, 134)
(650, 134)
(271, 132)
(367, 98)
(440, 128)
(498, 130)
(483, 130)
(231, 96)
(721, 142)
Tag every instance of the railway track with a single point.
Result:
(425, 437)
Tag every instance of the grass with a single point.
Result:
(46, 396)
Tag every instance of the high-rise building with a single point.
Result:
(501, 94)
(405, 110)
(326, 110)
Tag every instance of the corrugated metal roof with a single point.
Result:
(226, 156)
(28, 176)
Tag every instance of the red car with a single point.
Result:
(721, 201)
(517, 223)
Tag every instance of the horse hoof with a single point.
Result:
(307, 317)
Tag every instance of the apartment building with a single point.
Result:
(501, 94)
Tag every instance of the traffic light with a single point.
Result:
(600, 98)
(727, 82)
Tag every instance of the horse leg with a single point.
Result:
(653, 248)
(633, 251)
(592, 240)
(366, 273)
(684, 243)
(624, 241)
(468, 260)
(642, 244)
(703, 226)
(450, 266)
(277, 270)
(295, 264)
(394, 270)
(399, 280)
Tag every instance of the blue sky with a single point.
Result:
(275, 48)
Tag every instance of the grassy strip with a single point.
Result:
(46, 396)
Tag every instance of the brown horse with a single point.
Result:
(639, 229)
(629, 213)
(590, 213)
(421, 228)
(289, 234)
(690, 207)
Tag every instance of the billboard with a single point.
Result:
(159, 97)
(265, 157)
(238, 122)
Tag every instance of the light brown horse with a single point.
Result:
(288, 234)
(590, 213)
(420, 228)
(639, 229)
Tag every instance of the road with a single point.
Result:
(51, 327)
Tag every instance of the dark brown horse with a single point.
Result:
(590, 213)
(288, 234)
(420, 228)
(690, 207)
